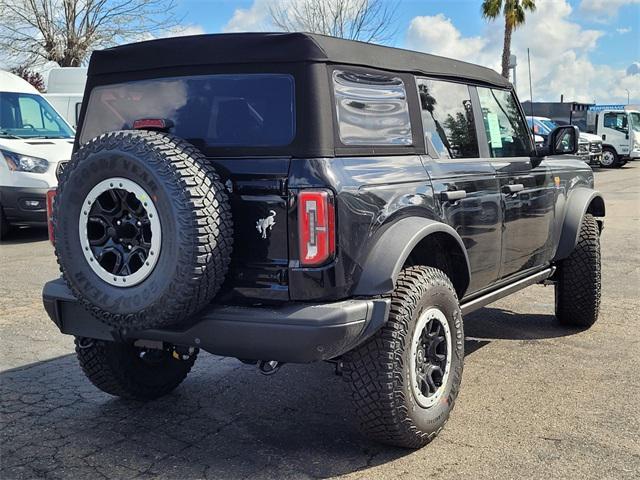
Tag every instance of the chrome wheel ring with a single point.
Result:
(120, 232)
(430, 357)
(607, 158)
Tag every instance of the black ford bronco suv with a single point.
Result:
(296, 198)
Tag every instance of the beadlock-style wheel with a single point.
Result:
(430, 357)
(120, 232)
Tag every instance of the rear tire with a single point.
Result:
(578, 286)
(397, 400)
(122, 370)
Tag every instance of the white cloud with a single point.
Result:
(559, 49)
(605, 8)
(253, 19)
(623, 30)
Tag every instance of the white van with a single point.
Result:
(65, 88)
(35, 144)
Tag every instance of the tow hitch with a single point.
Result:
(269, 367)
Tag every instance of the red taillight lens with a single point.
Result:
(51, 195)
(316, 227)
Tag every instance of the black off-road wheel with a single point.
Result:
(143, 229)
(126, 371)
(577, 291)
(405, 379)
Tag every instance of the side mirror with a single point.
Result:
(563, 140)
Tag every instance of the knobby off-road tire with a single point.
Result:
(379, 371)
(126, 371)
(192, 217)
(577, 290)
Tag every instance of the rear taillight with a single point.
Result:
(316, 227)
(51, 195)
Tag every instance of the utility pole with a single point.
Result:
(513, 63)
(627, 90)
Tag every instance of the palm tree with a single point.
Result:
(514, 16)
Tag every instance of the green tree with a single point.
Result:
(514, 16)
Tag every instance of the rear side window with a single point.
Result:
(244, 110)
(371, 109)
(507, 131)
(447, 119)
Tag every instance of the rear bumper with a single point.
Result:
(295, 332)
(24, 205)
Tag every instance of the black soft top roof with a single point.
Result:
(244, 48)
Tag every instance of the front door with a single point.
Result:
(615, 131)
(464, 183)
(526, 185)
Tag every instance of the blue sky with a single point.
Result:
(581, 48)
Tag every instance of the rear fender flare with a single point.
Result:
(385, 261)
(580, 202)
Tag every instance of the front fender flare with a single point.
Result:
(384, 262)
(580, 202)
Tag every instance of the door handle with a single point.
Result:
(454, 195)
(513, 188)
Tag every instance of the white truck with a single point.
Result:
(65, 89)
(619, 128)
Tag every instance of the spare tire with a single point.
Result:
(143, 230)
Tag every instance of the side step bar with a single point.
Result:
(486, 299)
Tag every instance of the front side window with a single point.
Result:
(447, 119)
(617, 121)
(28, 115)
(634, 118)
(507, 133)
(238, 110)
(371, 109)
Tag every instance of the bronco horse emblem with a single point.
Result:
(265, 224)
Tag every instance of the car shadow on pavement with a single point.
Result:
(488, 324)
(18, 235)
(225, 421)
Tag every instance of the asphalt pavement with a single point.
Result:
(537, 400)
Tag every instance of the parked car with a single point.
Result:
(589, 146)
(35, 141)
(297, 198)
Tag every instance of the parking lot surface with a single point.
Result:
(537, 401)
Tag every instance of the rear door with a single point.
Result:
(235, 120)
(464, 182)
(526, 184)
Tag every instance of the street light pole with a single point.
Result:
(627, 90)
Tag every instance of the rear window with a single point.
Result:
(244, 110)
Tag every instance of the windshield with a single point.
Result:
(549, 124)
(28, 115)
(635, 121)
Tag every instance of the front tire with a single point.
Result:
(122, 370)
(610, 158)
(578, 286)
(405, 379)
